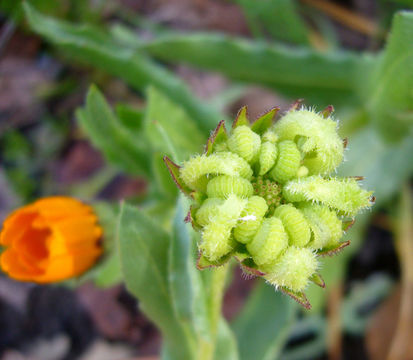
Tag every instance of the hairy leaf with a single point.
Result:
(92, 46)
(390, 99)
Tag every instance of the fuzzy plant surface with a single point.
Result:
(266, 194)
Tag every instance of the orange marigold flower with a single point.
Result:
(53, 239)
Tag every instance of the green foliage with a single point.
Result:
(390, 96)
(169, 127)
(108, 271)
(264, 323)
(162, 177)
(130, 117)
(383, 165)
(95, 47)
(144, 257)
(158, 268)
(156, 252)
(125, 149)
(317, 77)
(226, 347)
(277, 17)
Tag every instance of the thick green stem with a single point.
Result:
(215, 297)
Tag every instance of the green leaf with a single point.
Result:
(110, 273)
(107, 271)
(384, 166)
(278, 17)
(144, 258)
(186, 284)
(226, 346)
(117, 143)
(130, 117)
(264, 121)
(318, 77)
(181, 260)
(262, 327)
(390, 100)
(170, 129)
(173, 170)
(97, 48)
(162, 177)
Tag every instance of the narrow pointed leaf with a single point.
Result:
(219, 135)
(174, 171)
(322, 78)
(318, 280)
(190, 217)
(327, 111)
(296, 105)
(251, 271)
(249, 267)
(297, 296)
(162, 176)
(265, 121)
(334, 250)
(348, 224)
(242, 118)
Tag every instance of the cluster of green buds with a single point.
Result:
(263, 194)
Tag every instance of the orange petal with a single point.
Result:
(11, 263)
(16, 224)
(32, 243)
(57, 207)
(78, 230)
(67, 266)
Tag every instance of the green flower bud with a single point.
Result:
(250, 220)
(216, 236)
(344, 195)
(224, 185)
(326, 227)
(321, 146)
(244, 142)
(288, 162)
(263, 194)
(267, 157)
(208, 210)
(270, 240)
(221, 163)
(295, 224)
(293, 269)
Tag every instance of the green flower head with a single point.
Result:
(263, 194)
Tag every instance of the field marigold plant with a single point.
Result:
(53, 239)
(264, 194)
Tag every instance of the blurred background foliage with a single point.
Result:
(165, 73)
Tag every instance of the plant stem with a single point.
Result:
(215, 297)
